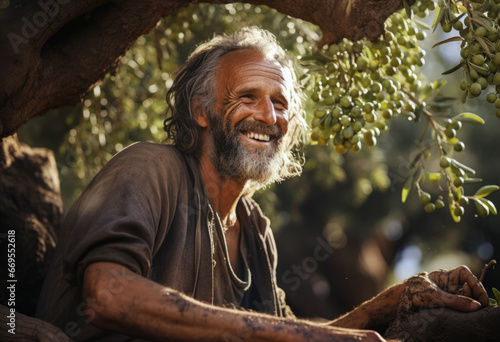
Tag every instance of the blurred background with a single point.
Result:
(341, 230)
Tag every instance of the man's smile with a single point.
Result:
(258, 136)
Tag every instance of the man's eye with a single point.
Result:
(279, 105)
(246, 98)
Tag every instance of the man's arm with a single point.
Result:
(120, 300)
(458, 289)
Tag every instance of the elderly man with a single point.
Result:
(166, 242)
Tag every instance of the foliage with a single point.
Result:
(337, 196)
(129, 104)
(496, 300)
(359, 86)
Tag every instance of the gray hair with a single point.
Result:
(197, 79)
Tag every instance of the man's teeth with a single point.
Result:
(256, 136)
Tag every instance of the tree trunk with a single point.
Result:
(18, 327)
(447, 325)
(54, 51)
(30, 211)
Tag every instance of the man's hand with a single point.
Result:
(458, 289)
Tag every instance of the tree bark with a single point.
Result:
(54, 51)
(18, 327)
(31, 206)
(447, 325)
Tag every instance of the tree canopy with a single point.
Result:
(128, 105)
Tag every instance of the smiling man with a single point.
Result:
(167, 244)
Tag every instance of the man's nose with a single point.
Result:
(265, 112)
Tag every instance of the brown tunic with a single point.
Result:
(147, 210)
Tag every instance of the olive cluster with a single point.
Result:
(421, 8)
(359, 86)
(478, 27)
(363, 84)
(429, 207)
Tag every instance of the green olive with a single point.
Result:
(424, 197)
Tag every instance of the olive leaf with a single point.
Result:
(407, 188)
(455, 68)
(472, 180)
(482, 209)
(452, 39)
(469, 118)
(490, 205)
(407, 8)
(437, 17)
(461, 166)
(497, 294)
(486, 190)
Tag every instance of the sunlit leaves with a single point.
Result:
(486, 190)
(129, 104)
(469, 118)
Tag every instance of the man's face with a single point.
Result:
(250, 117)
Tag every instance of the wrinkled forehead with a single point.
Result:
(247, 65)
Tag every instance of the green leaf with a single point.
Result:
(472, 180)
(486, 190)
(304, 77)
(486, 5)
(482, 209)
(462, 166)
(452, 39)
(457, 18)
(421, 25)
(434, 177)
(444, 99)
(491, 301)
(323, 56)
(455, 68)
(497, 294)
(442, 105)
(368, 52)
(469, 118)
(481, 22)
(437, 84)
(437, 17)
(406, 189)
(484, 45)
(307, 58)
(407, 9)
(490, 205)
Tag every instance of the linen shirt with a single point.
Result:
(147, 209)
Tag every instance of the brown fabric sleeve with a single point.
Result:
(125, 211)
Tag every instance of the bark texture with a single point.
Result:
(447, 325)
(31, 205)
(28, 329)
(54, 51)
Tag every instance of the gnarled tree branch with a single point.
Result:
(54, 51)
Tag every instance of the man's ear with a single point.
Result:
(199, 114)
